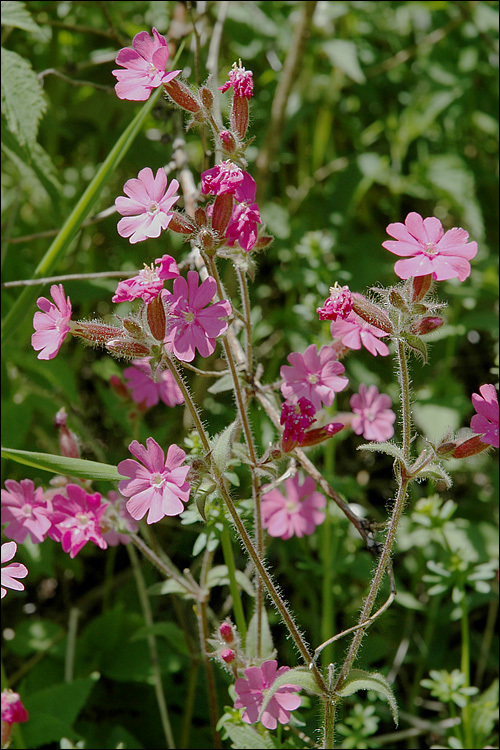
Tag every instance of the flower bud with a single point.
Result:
(206, 97)
(239, 116)
(226, 632)
(426, 325)
(228, 655)
(469, 447)
(206, 240)
(200, 216)
(133, 327)
(180, 223)
(398, 302)
(320, 434)
(182, 95)
(371, 313)
(228, 142)
(97, 333)
(222, 212)
(263, 242)
(124, 348)
(156, 318)
(421, 285)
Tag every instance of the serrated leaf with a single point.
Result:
(15, 14)
(390, 448)
(23, 100)
(72, 467)
(436, 473)
(358, 679)
(245, 737)
(221, 447)
(266, 644)
(416, 344)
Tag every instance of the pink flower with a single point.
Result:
(338, 304)
(429, 249)
(485, 422)
(297, 417)
(13, 711)
(242, 227)
(296, 511)
(12, 571)
(229, 178)
(148, 283)
(241, 80)
(147, 208)
(26, 511)
(52, 325)
(76, 519)
(192, 325)
(144, 67)
(313, 375)
(145, 390)
(355, 332)
(159, 487)
(374, 417)
(251, 691)
(116, 521)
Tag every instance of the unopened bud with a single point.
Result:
(97, 333)
(222, 212)
(263, 242)
(371, 313)
(180, 223)
(320, 434)
(156, 318)
(398, 302)
(226, 632)
(206, 239)
(239, 116)
(123, 348)
(421, 285)
(228, 142)
(133, 327)
(206, 97)
(182, 95)
(201, 217)
(426, 325)
(228, 655)
(469, 447)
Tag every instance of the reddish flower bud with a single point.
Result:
(206, 239)
(371, 313)
(97, 333)
(398, 302)
(226, 632)
(263, 242)
(228, 655)
(156, 318)
(239, 116)
(421, 285)
(182, 95)
(222, 212)
(206, 97)
(180, 223)
(133, 327)
(124, 348)
(426, 325)
(469, 447)
(201, 217)
(228, 142)
(320, 434)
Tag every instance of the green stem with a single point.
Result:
(201, 616)
(153, 650)
(227, 550)
(465, 668)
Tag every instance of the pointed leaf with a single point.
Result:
(221, 447)
(243, 737)
(225, 383)
(416, 344)
(301, 676)
(436, 473)
(15, 14)
(266, 646)
(72, 467)
(358, 679)
(23, 99)
(390, 448)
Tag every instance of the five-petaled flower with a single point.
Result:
(26, 511)
(146, 209)
(116, 522)
(148, 391)
(191, 324)
(143, 67)
(76, 519)
(485, 422)
(314, 375)
(148, 283)
(10, 573)
(428, 249)
(373, 417)
(355, 332)
(252, 689)
(52, 325)
(158, 487)
(294, 512)
(229, 178)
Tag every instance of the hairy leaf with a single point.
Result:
(358, 679)
(15, 14)
(267, 646)
(23, 100)
(72, 467)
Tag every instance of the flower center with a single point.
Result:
(27, 510)
(430, 248)
(149, 275)
(83, 519)
(291, 506)
(157, 480)
(153, 208)
(189, 316)
(312, 378)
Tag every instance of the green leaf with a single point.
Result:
(358, 679)
(416, 344)
(390, 448)
(218, 576)
(221, 447)
(225, 383)
(245, 737)
(266, 645)
(73, 467)
(343, 54)
(15, 14)
(23, 100)
(437, 474)
(301, 676)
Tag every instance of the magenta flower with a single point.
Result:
(148, 283)
(242, 227)
(374, 418)
(229, 178)
(76, 519)
(13, 711)
(430, 250)
(313, 375)
(26, 511)
(192, 325)
(294, 512)
(251, 691)
(355, 332)
(146, 210)
(145, 390)
(52, 325)
(144, 67)
(13, 571)
(338, 304)
(241, 80)
(485, 422)
(297, 417)
(158, 488)
(116, 521)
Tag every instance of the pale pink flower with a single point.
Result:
(191, 324)
(145, 390)
(158, 488)
(338, 304)
(252, 689)
(241, 80)
(13, 711)
(314, 375)
(76, 519)
(430, 250)
(485, 422)
(13, 571)
(355, 332)
(229, 178)
(144, 67)
(374, 418)
(242, 227)
(146, 210)
(52, 324)
(148, 283)
(116, 521)
(297, 416)
(294, 512)
(26, 511)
